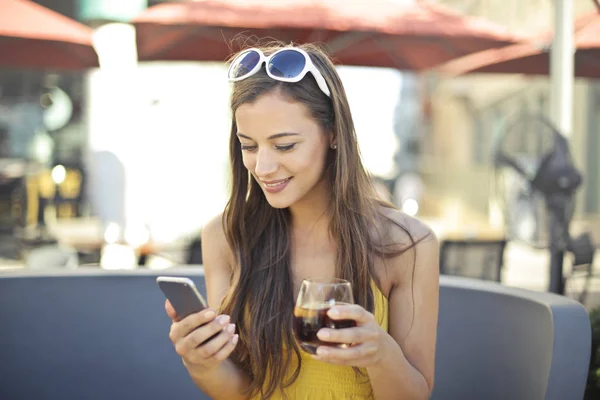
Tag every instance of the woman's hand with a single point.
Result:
(190, 335)
(365, 341)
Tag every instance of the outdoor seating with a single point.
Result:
(499, 342)
(95, 334)
(474, 258)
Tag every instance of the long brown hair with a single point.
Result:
(260, 299)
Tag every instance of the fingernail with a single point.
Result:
(223, 320)
(333, 312)
(210, 314)
(323, 334)
(230, 328)
(321, 351)
(235, 338)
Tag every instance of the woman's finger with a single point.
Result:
(350, 311)
(184, 327)
(210, 347)
(348, 335)
(171, 311)
(355, 355)
(227, 349)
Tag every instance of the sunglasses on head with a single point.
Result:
(289, 64)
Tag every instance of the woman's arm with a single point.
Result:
(400, 364)
(407, 369)
(221, 379)
(224, 382)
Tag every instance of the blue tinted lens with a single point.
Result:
(244, 64)
(287, 64)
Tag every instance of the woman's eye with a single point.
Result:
(246, 147)
(287, 147)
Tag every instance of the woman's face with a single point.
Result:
(283, 147)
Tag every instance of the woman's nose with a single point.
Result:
(266, 164)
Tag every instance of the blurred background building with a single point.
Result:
(137, 152)
(467, 111)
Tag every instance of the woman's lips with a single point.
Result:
(276, 186)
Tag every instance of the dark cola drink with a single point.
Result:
(309, 318)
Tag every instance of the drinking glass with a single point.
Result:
(315, 298)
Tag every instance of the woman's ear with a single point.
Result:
(332, 141)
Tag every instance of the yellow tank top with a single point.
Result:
(323, 381)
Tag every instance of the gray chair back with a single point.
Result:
(89, 334)
(498, 342)
(93, 334)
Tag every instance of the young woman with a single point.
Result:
(303, 206)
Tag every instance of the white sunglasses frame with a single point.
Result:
(309, 66)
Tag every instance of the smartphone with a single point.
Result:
(183, 295)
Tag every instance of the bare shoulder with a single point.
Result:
(401, 228)
(216, 252)
(217, 259)
(214, 231)
(414, 241)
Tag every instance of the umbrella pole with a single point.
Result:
(561, 67)
(561, 107)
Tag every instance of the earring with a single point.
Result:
(334, 146)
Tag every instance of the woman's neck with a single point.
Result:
(310, 215)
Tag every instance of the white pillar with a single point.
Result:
(562, 67)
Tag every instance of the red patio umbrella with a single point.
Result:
(32, 36)
(534, 58)
(371, 33)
